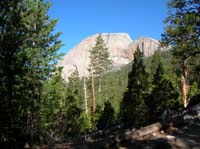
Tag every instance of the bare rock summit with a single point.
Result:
(120, 46)
(149, 45)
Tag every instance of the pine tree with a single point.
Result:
(99, 64)
(163, 96)
(73, 110)
(194, 70)
(156, 58)
(182, 34)
(61, 107)
(53, 109)
(99, 57)
(107, 118)
(27, 58)
(133, 104)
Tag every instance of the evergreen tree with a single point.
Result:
(107, 118)
(194, 70)
(85, 123)
(163, 96)
(133, 105)
(156, 58)
(99, 57)
(182, 34)
(61, 110)
(99, 64)
(27, 58)
(77, 87)
(73, 110)
(53, 109)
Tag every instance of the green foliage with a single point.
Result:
(163, 95)
(95, 117)
(99, 57)
(194, 90)
(85, 123)
(133, 105)
(61, 109)
(183, 27)
(114, 85)
(72, 106)
(194, 69)
(52, 110)
(75, 85)
(107, 118)
(182, 35)
(28, 52)
(100, 61)
(156, 58)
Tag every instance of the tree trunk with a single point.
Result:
(99, 83)
(106, 91)
(184, 82)
(93, 95)
(85, 96)
(63, 96)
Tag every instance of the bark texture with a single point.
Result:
(184, 83)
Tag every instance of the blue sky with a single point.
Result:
(78, 19)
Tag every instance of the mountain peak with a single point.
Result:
(148, 44)
(120, 46)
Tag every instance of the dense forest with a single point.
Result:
(37, 106)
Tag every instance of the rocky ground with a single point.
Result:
(178, 131)
(181, 130)
(186, 136)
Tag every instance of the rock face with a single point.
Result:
(120, 46)
(149, 45)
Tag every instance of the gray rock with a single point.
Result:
(120, 46)
(195, 109)
(187, 116)
(149, 45)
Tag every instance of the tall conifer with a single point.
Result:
(27, 57)
(133, 105)
(182, 34)
(99, 64)
(163, 96)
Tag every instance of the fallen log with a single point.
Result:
(135, 134)
(146, 130)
